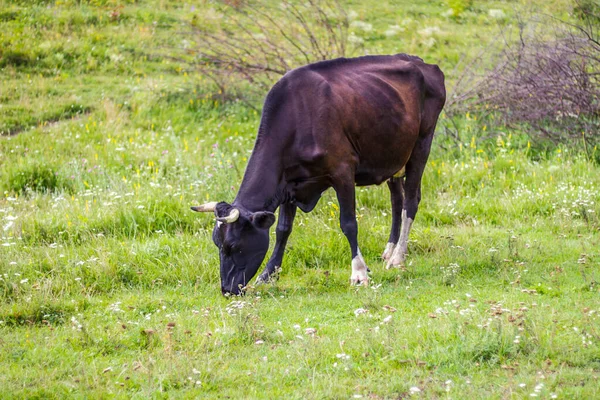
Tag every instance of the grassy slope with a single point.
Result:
(501, 289)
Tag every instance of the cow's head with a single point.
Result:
(243, 240)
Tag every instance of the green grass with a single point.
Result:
(109, 285)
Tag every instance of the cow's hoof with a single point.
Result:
(400, 267)
(267, 277)
(396, 263)
(359, 272)
(356, 280)
(389, 250)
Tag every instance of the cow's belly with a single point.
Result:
(382, 153)
(373, 177)
(378, 170)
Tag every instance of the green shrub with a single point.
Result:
(36, 177)
(15, 58)
(459, 6)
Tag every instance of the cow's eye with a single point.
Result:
(226, 248)
(230, 248)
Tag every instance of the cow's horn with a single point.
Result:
(233, 216)
(208, 207)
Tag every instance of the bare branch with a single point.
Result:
(257, 41)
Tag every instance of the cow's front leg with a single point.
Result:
(346, 198)
(285, 222)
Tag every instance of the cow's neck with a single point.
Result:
(261, 188)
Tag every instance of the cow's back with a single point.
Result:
(364, 113)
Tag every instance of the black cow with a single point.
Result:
(338, 123)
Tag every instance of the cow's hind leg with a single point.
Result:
(285, 222)
(345, 192)
(396, 186)
(412, 196)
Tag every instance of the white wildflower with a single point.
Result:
(361, 26)
(352, 38)
(429, 31)
(496, 13)
(393, 30)
(310, 331)
(360, 311)
(8, 225)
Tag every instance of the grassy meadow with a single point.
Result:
(109, 284)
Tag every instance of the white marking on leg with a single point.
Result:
(359, 271)
(389, 250)
(399, 255)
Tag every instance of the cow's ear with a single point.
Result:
(262, 219)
